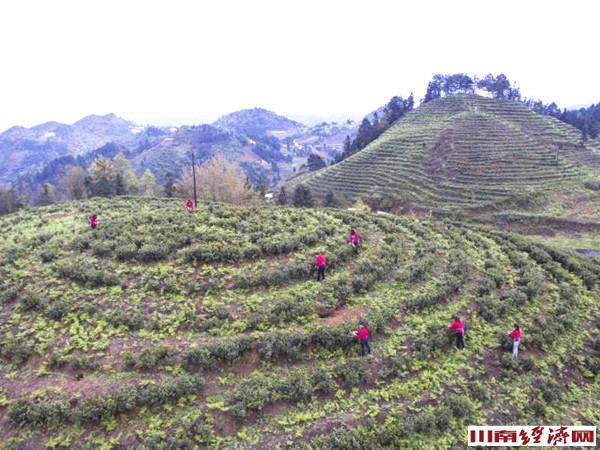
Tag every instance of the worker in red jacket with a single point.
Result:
(460, 329)
(354, 240)
(93, 220)
(363, 337)
(189, 205)
(320, 265)
(516, 335)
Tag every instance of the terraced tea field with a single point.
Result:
(467, 152)
(163, 329)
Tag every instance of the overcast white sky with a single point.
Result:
(182, 61)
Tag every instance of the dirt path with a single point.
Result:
(344, 314)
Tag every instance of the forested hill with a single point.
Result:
(23, 149)
(468, 152)
(256, 122)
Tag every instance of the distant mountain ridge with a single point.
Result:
(266, 145)
(23, 148)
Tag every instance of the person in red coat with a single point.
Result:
(460, 329)
(363, 337)
(93, 220)
(354, 240)
(189, 205)
(320, 265)
(516, 335)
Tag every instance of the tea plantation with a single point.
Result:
(164, 329)
(466, 152)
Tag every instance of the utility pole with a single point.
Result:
(194, 175)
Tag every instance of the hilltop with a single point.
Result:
(163, 327)
(466, 152)
(257, 122)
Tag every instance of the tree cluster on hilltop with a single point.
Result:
(498, 87)
(587, 120)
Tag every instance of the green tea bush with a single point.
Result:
(103, 247)
(334, 337)
(459, 406)
(288, 344)
(295, 386)
(85, 272)
(230, 349)
(15, 350)
(152, 252)
(184, 384)
(434, 338)
(533, 282)
(150, 358)
(424, 422)
(31, 301)
(538, 407)
(251, 394)
(38, 412)
(132, 319)
(322, 380)
(49, 253)
(341, 437)
(198, 358)
(126, 251)
(212, 251)
(57, 310)
(352, 372)
(443, 418)
(96, 408)
(8, 294)
(492, 308)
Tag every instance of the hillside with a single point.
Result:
(27, 149)
(208, 329)
(42, 153)
(469, 152)
(257, 122)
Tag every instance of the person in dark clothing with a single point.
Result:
(460, 329)
(354, 240)
(363, 337)
(320, 265)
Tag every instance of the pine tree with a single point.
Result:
(101, 179)
(10, 200)
(126, 181)
(148, 183)
(282, 197)
(262, 188)
(315, 162)
(74, 183)
(303, 197)
(169, 184)
(46, 196)
(331, 201)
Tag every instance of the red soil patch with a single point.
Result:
(344, 314)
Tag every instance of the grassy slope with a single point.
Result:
(226, 295)
(466, 151)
